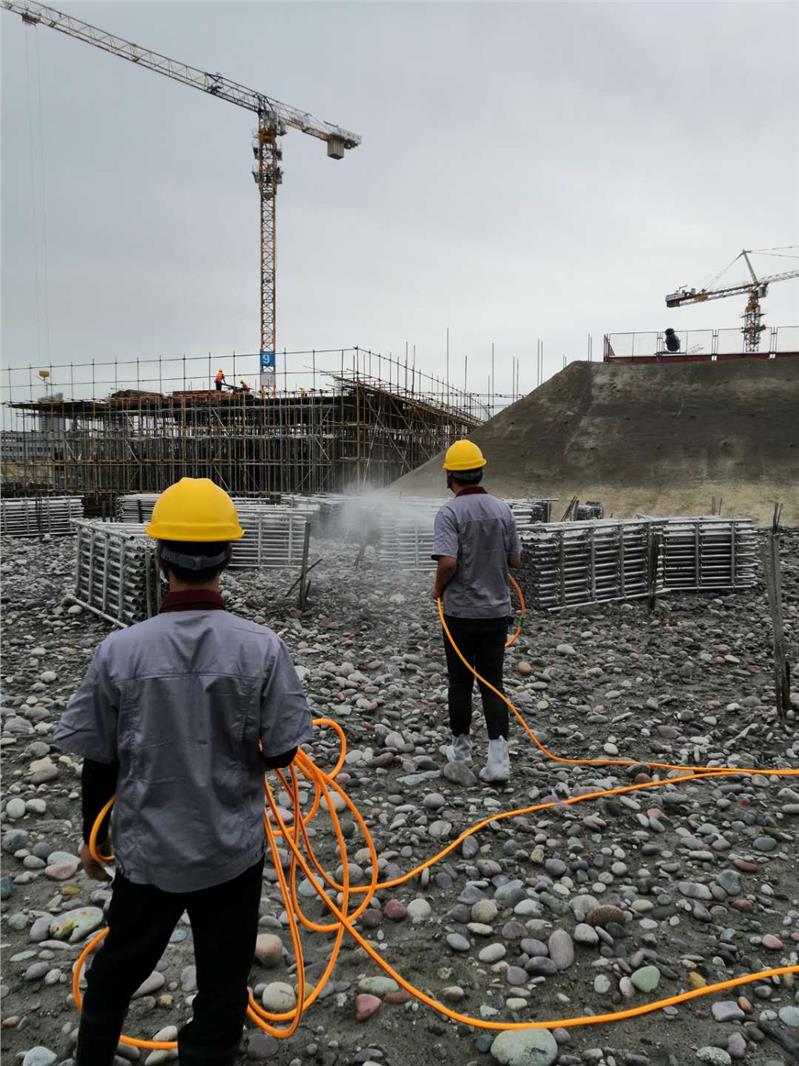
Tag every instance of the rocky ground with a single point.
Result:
(582, 909)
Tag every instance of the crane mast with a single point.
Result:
(755, 289)
(274, 118)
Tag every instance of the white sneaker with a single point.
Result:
(497, 767)
(460, 750)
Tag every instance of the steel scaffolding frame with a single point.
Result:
(572, 564)
(360, 432)
(34, 516)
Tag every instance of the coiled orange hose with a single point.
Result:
(343, 919)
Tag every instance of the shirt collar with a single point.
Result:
(192, 600)
(475, 490)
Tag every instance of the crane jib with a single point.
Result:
(273, 119)
(35, 14)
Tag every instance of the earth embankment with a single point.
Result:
(661, 439)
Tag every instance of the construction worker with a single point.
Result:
(475, 541)
(219, 380)
(672, 341)
(179, 716)
(244, 386)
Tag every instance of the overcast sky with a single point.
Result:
(527, 170)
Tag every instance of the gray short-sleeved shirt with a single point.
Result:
(181, 702)
(480, 532)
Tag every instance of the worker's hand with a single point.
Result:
(434, 594)
(95, 870)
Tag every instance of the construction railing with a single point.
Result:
(699, 345)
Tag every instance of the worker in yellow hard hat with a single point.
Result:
(474, 543)
(179, 716)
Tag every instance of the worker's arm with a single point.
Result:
(446, 569)
(286, 720)
(446, 545)
(515, 561)
(279, 762)
(88, 727)
(98, 785)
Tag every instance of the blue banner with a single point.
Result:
(267, 360)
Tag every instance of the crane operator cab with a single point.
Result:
(672, 341)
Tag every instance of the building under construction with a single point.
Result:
(360, 431)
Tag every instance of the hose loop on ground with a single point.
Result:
(340, 899)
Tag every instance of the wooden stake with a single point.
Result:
(773, 579)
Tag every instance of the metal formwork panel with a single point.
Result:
(406, 527)
(708, 553)
(404, 546)
(573, 563)
(404, 532)
(273, 539)
(276, 536)
(569, 564)
(116, 573)
(32, 516)
(138, 506)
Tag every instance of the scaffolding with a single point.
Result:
(345, 429)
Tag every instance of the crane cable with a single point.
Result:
(293, 832)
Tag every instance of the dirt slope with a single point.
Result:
(663, 439)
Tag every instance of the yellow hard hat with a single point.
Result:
(194, 509)
(463, 455)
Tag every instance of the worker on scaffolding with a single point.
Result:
(244, 386)
(474, 543)
(179, 716)
(219, 380)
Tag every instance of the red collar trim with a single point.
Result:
(192, 600)
(476, 490)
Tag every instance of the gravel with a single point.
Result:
(587, 907)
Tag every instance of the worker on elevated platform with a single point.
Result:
(219, 380)
(170, 717)
(672, 341)
(474, 543)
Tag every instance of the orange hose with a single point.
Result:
(522, 613)
(304, 859)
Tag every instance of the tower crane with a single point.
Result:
(755, 289)
(274, 118)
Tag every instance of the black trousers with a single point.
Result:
(224, 923)
(482, 642)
